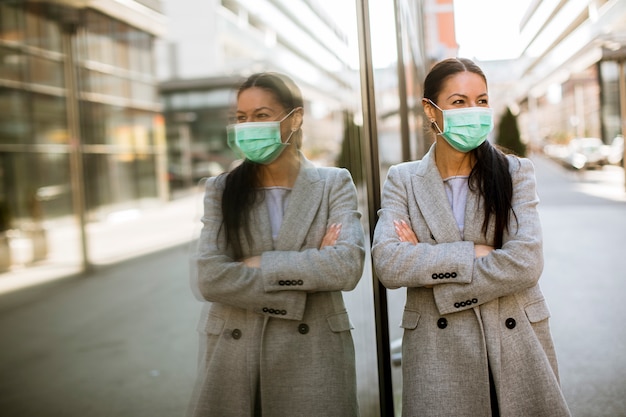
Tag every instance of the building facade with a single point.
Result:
(81, 134)
(570, 69)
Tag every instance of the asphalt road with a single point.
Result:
(584, 281)
(122, 341)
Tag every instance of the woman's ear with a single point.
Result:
(429, 109)
(296, 119)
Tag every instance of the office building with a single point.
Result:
(81, 134)
(569, 72)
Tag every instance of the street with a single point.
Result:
(584, 282)
(122, 341)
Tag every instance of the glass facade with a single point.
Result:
(74, 82)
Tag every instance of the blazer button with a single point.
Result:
(236, 334)
(303, 328)
(510, 323)
(442, 323)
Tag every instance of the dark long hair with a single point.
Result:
(241, 184)
(490, 174)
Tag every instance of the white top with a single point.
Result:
(456, 189)
(277, 200)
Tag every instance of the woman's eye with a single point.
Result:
(241, 119)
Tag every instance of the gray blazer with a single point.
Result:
(281, 329)
(479, 313)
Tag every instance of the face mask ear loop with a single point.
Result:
(433, 103)
(292, 130)
(289, 114)
(289, 138)
(438, 128)
(434, 123)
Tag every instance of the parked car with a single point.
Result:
(616, 151)
(586, 153)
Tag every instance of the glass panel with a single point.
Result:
(45, 71)
(33, 20)
(50, 34)
(143, 91)
(196, 136)
(97, 37)
(93, 123)
(14, 117)
(97, 183)
(11, 23)
(121, 42)
(12, 64)
(145, 176)
(40, 209)
(121, 164)
(49, 119)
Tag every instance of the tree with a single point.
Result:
(508, 134)
(351, 156)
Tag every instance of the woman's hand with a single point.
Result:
(482, 250)
(253, 262)
(404, 232)
(330, 238)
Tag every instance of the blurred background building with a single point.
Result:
(81, 131)
(570, 76)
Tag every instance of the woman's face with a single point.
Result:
(257, 104)
(463, 89)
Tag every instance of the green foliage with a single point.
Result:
(508, 134)
(351, 152)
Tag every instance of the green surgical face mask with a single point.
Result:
(467, 128)
(259, 142)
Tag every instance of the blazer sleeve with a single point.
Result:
(403, 264)
(514, 267)
(332, 268)
(224, 280)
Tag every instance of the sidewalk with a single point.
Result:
(123, 235)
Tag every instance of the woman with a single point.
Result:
(281, 239)
(460, 230)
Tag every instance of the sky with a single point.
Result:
(485, 29)
(488, 29)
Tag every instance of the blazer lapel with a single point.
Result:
(303, 206)
(432, 200)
